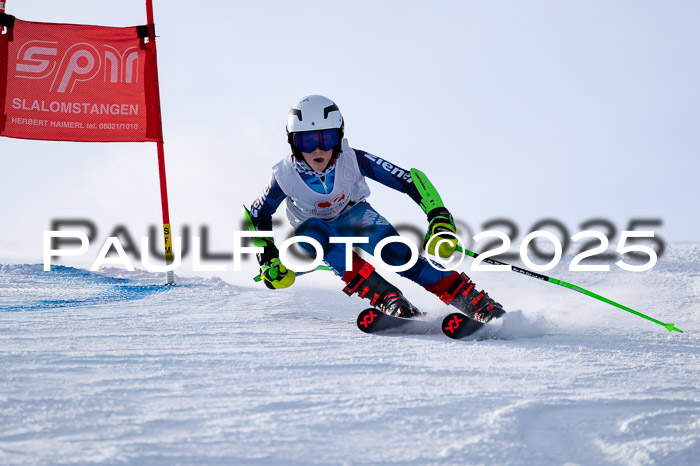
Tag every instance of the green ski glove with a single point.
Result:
(276, 275)
(272, 271)
(440, 221)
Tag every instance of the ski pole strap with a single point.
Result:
(668, 326)
(430, 198)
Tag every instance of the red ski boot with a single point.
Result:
(367, 283)
(463, 295)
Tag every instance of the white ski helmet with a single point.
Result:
(314, 113)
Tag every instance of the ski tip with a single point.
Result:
(458, 326)
(451, 324)
(366, 319)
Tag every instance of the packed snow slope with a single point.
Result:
(113, 368)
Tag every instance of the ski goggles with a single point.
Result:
(308, 141)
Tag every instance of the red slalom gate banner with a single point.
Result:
(66, 82)
(70, 82)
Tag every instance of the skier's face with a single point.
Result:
(318, 159)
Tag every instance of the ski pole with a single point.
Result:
(261, 243)
(670, 327)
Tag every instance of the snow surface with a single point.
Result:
(113, 368)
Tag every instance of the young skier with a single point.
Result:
(323, 182)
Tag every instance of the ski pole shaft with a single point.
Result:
(669, 326)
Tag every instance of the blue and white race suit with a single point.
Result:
(336, 206)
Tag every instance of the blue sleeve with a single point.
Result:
(266, 204)
(387, 173)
